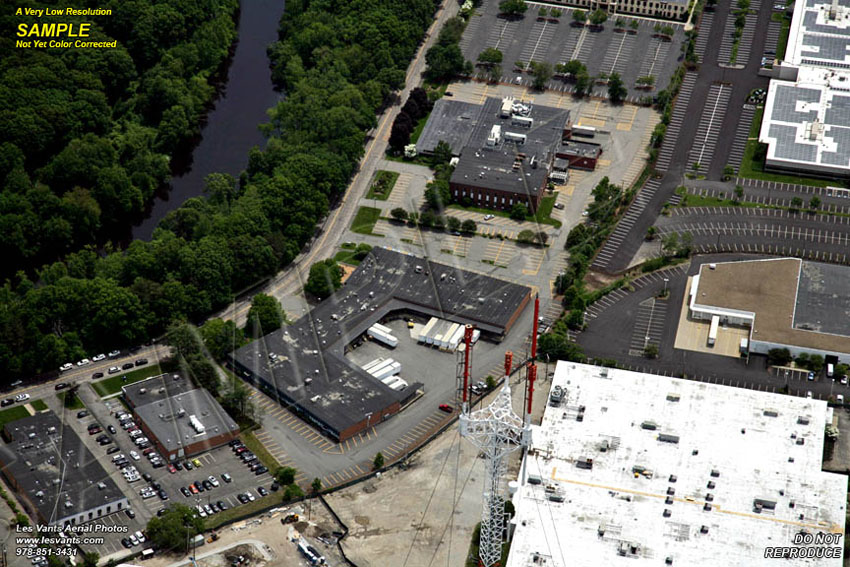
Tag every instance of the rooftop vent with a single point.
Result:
(196, 424)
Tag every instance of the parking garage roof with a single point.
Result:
(795, 302)
(660, 450)
(50, 464)
(310, 366)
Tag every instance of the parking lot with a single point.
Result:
(708, 131)
(632, 53)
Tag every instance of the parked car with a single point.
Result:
(226, 477)
(147, 477)
(22, 397)
(84, 362)
(488, 217)
(113, 370)
(193, 489)
(214, 481)
(134, 455)
(127, 365)
(161, 511)
(7, 402)
(60, 386)
(130, 513)
(221, 505)
(111, 429)
(98, 357)
(446, 408)
(185, 492)
(82, 413)
(125, 541)
(178, 465)
(97, 375)
(262, 491)
(188, 465)
(261, 470)
(114, 354)
(199, 486)
(197, 463)
(113, 450)
(141, 361)
(207, 485)
(65, 367)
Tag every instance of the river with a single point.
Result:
(231, 126)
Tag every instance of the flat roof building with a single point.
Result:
(180, 419)
(786, 302)
(303, 365)
(819, 35)
(54, 475)
(639, 469)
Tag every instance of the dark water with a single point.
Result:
(231, 128)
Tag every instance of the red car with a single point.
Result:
(171, 469)
(193, 489)
(446, 408)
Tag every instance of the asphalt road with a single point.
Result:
(604, 338)
(743, 81)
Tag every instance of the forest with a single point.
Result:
(338, 63)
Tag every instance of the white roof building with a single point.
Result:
(636, 469)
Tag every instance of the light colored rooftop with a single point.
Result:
(725, 447)
(820, 34)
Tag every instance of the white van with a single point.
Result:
(830, 370)
(840, 399)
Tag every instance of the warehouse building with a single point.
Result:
(672, 9)
(806, 120)
(180, 419)
(631, 469)
(54, 475)
(506, 147)
(785, 303)
(303, 365)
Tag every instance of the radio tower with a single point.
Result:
(496, 431)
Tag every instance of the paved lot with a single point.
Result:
(648, 326)
(708, 130)
(742, 134)
(603, 50)
(830, 201)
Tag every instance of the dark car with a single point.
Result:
(161, 511)
(255, 466)
(242, 498)
(163, 495)
(147, 477)
(106, 441)
(189, 466)
(60, 386)
(7, 402)
(221, 505)
(199, 486)
(275, 486)
(207, 485)
(130, 513)
(127, 365)
(97, 375)
(141, 361)
(111, 429)
(158, 464)
(234, 442)
(261, 470)
(156, 486)
(82, 413)
(113, 450)
(262, 491)
(185, 492)
(126, 542)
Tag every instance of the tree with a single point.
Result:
(512, 7)
(739, 192)
(651, 232)
(541, 73)
(292, 492)
(555, 13)
(583, 83)
(650, 350)
(399, 214)
(525, 236)
(519, 211)
(174, 528)
(401, 131)
(670, 244)
(444, 62)
(90, 559)
(221, 337)
(453, 224)
(541, 237)
(778, 357)
(325, 278)
(814, 203)
(796, 203)
(616, 90)
(598, 17)
(542, 12)
(442, 154)
(633, 24)
(575, 319)
(619, 23)
(183, 338)
(490, 56)
(579, 17)
(438, 194)
(728, 172)
(239, 403)
(468, 226)
(285, 475)
(265, 315)
(316, 485)
(378, 461)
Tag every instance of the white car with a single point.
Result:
(140, 536)
(214, 481)
(134, 455)
(140, 440)
(250, 496)
(115, 354)
(809, 394)
(84, 362)
(844, 379)
(22, 397)
(113, 370)
(65, 367)
(201, 511)
(98, 358)
(488, 217)
(134, 540)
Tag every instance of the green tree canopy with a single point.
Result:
(325, 278)
(265, 315)
(175, 528)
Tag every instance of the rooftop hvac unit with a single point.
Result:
(526, 121)
(495, 136)
(196, 424)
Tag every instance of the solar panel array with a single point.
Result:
(785, 104)
(787, 147)
(841, 137)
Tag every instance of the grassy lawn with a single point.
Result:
(542, 216)
(76, 403)
(417, 130)
(12, 414)
(365, 220)
(346, 257)
(113, 384)
(382, 185)
(38, 405)
(754, 169)
(782, 44)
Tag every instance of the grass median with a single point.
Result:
(113, 384)
(38, 405)
(12, 414)
(364, 221)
